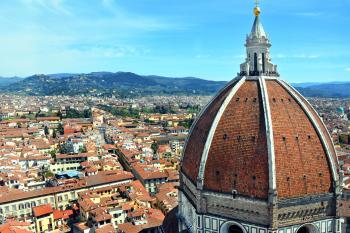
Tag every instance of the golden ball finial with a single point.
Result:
(257, 11)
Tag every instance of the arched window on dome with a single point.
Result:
(303, 230)
(309, 228)
(235, 229)
(232, 227)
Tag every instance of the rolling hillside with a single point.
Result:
(127, 84)
(120, 83)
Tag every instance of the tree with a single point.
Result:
(155, 147)
(42, 171)
(46, 130)
(82, 149)
(59, 114)
(123, 112)
(53, 154)
(48, 174)
(54, 134)
(60, 129)
(186, 123)
(74, 113)
(163, 109)
(87, 113)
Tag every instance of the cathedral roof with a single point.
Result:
(257, 136)
(259, 153)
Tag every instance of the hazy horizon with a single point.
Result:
(306, 82)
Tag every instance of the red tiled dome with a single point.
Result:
(258, 135)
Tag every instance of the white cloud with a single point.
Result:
(347, 69)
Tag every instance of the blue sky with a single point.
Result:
(201, 38)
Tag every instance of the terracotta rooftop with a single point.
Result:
(12, 226)
(147, 172)
(41, 210)
(108, 228)
(48, 119)
(62, 214)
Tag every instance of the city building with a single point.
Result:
(19, 205)
(149, 176)
(43, 218)
(66, 162)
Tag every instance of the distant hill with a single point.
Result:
(325, 90)
(127, 84)
(124, 84)
(6, 81)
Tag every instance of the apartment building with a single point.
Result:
(20, 204)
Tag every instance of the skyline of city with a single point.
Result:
(87, 151)
(171, 39)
